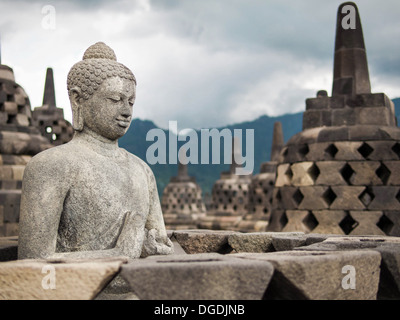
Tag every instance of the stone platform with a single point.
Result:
(221, 265)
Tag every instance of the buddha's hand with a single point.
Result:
(155, 245)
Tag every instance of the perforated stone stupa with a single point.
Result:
(261, 188)
(229, 197)
(50, 119)
(182, 203)
(341, 174)
(19, 141)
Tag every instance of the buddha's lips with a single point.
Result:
(123, 122)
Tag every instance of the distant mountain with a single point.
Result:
(135, 142)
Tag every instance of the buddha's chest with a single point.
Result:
(108, 189)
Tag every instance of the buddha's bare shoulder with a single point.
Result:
(59, 159)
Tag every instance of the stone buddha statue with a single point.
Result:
(89, 198)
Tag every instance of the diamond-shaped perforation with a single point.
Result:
(331, 151)
(348, 224)
(314, 172)
(383, 173)
(298, 197)
(347, 173)
(304, 150)
(365, 150)
(289, 173)
(366, 196)
(329, 196)
(310, 221)
(385, 224)
(396, 149)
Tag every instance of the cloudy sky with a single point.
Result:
(204, 63)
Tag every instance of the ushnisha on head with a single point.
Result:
(99, 86)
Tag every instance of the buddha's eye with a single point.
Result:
(114, 99)
(130, 103)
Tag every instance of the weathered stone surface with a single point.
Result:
(78, 280)
(301, 176)
(288, 241)
(352, 243)
(198, 277)
(328, 221)
(295, 221)
(347, 198)
(330, 173)
(319, 275)
(367, 222)
(202, 241)
(256, 241)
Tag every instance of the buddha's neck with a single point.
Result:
(97, 143)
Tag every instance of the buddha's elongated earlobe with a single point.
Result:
(77, 117)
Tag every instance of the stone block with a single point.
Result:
(316, 151)
(382, 150)
(343, 117)
(320, 275)
(339, 243)
(283, 177)
(22, 119)
(11, 108)
(379, 116)
(296, 221)
(328, 221)
(30, 279)
(367, 222)
(202, 241)
(317, 103)
(301, 175)
(333, 134)
(347, 198)
(256, 241)
(384, 198)
(347, 150)
(330, 173)
(312, 119)
(337, 102)
(197, 277)
(288, 241)
(314, 198)
(364, 173)
(18, 172)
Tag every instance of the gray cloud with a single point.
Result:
(204, 63)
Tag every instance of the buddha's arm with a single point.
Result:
(156, 239)
(43, 194)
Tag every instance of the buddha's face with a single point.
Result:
(108, 112)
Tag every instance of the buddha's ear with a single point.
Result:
(77, 116)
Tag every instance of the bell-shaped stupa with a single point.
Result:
(340, 174)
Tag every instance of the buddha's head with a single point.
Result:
(102, 92)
